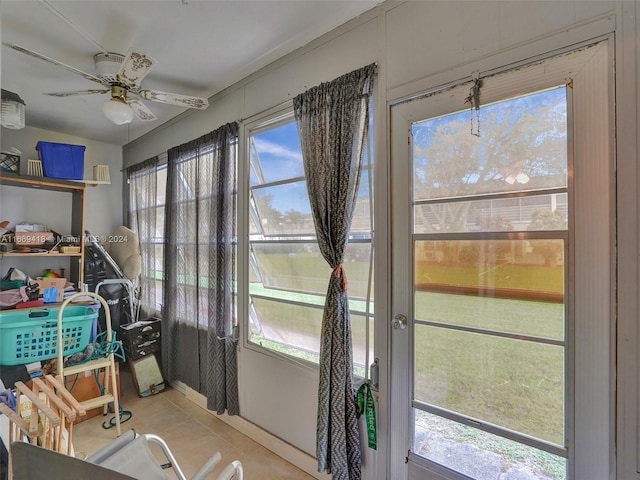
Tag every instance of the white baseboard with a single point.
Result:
(293, 455)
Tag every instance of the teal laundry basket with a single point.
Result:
(28, 336)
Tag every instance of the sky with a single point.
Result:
(281, 158)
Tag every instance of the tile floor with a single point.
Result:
(193, 434)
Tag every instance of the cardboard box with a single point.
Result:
(59, 283)
(30, 227)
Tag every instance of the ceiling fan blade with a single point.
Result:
(134, 68)
(77, 92)
(31, 53)
(174, 99)
(141, 110)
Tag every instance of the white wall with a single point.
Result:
(420, 45)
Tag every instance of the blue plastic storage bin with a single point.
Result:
(62, 160)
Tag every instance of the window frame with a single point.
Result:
(272, 119)
(591, 347)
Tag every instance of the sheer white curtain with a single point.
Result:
(145, 220)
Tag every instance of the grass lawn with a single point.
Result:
(310, 273)
(513, 383)
(509, 382)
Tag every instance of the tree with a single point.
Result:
(547, 220)
(298, 222)
(526, 135)
(269, 216)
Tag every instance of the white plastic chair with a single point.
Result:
(130, 454)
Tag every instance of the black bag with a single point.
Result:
(95, 267)
(112, 294)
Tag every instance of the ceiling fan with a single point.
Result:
(121, 74)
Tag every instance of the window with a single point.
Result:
(202, 231)
(288, 277)
(147, 188)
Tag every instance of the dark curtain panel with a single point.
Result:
(333, 121)
(143, 219)
(199, 335)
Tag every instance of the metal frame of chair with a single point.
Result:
(130, 453)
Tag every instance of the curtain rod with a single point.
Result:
(283, 104)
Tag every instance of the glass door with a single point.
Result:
(483, 241)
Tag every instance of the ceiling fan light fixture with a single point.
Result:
(122, 74)
(108, 65)
(13, 109)
(117, 111)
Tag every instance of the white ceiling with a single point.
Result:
(200, 48)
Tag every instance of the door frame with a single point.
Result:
(595, 412)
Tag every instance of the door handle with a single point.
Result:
(399, 322)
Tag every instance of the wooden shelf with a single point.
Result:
(44, 183)
(76, 191)
(41, 254)
(93, 183)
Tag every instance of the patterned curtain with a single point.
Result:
(333, 121)
(199, 317)
(143, 207)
